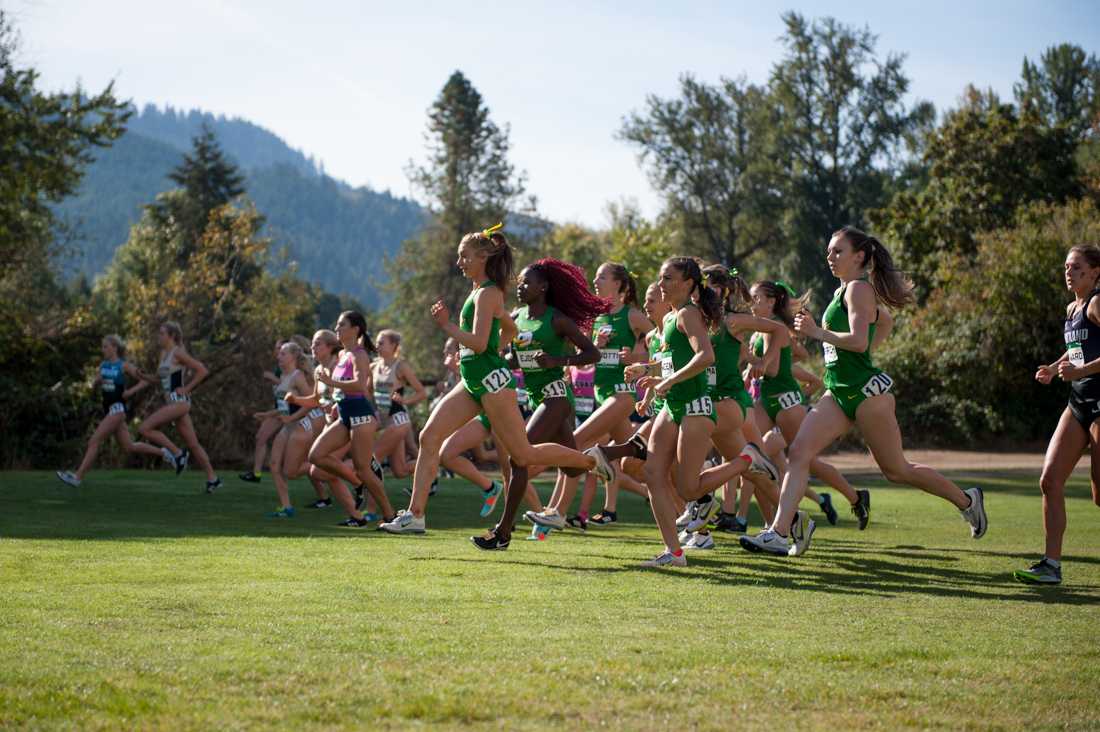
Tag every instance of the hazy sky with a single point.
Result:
(350, 82)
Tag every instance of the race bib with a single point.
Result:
(360, 421)
(609, 357)
(497, 380)
(109, 386)
(667, 368)
(877, 385)
(1075, 353)
(282, 406)
(382, 400)
(337, 395)
(465, 353)
(701, 407)
(399, 419)
(316, 413)
(789, 399)
(830, 352)
(529, 360)
(521, 397)
(712, 376)
(585, 405)
(117, 408)
(555, 390)
(174, 397)
(624, 388)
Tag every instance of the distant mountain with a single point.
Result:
(338, 235)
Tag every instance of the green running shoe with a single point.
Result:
(1040, 573)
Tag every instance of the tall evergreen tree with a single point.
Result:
(1063, 88)
(467, 184)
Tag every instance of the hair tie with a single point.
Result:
(733, 271)
(632, 273)
(785, 286)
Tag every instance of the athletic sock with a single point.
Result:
(821, 499)
(1053, 562)
(678, 553)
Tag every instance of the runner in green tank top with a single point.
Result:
(619, 340)
(555, 299)
(485, 258)
(853, 256)
(785, 407)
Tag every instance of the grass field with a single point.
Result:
(136, 602)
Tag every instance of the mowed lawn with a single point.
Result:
(137, 602)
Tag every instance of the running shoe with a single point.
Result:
(168, 456)
(539, 533)
(370, 518)
(974, 514)
(181, 460)
(683, 519)
(548, 517)
(354, 523)
(767, 541)
(320, 503)
(603, 518)
(213, 485)
(604, 469)
(404, 523)
(67, 476)
(760, 462)
(1040, 573)
(861, 509)
(490, 498)
(490, 542)
(287, 512)
(827, 508)
(250, 477)
(666, 559)
(699, 541)
(701, 513)
(731, 523)
(578, 522)
(802, 530)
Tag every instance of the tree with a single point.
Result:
(467, 184)
(983, 163)
(704, 153)
(209, 181)
(841, 125)
(1063, 89)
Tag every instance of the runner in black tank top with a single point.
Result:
(1077, 428)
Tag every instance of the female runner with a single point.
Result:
(111, 382)
(485, 258)
(556, 306)
(857, 393)
(391, 375)
(174, 359)
(300, 426)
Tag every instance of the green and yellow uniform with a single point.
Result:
(655, 345)
(724, 377)
(850, 377)
(688, 398)
(486, 372)
(609, 369)
(781, 391)
(537, 335)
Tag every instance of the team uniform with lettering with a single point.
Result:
(850, 377)
(781, 391)
(112, 383)
(1082, 346)
(688, 398)
(486, 372)
(353, 407)
(609, 369)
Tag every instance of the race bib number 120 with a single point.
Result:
(877, 385)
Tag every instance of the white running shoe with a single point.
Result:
(685, 517)
(667, 559)
(548, 517)
(975, 513)
(604, 469)
(699, 541)
(168, 456)
(802, 530)
(767, 541)
(760, 462)
(67, 476)
(700, 515)
(404, 523)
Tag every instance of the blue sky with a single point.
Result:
(350, 82)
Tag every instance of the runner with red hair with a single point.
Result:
(557, 308)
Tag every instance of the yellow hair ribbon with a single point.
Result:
(632, 273)
(488, 233)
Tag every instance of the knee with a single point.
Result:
(1051, 486)
(145, 431)
(896, 473)
(653, 473)
(315, 456)
(520, 459)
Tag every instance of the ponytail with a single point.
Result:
(891, 285)
(735, 292)
(628, 281)
(499, 264)
(710, 304)
(787, 304)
